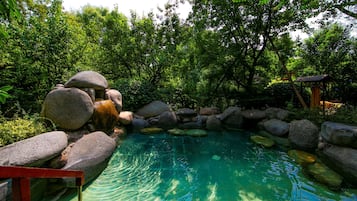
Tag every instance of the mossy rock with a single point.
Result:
(264, 141)
(325, 175)
(152, 130)
(176, 131)
(302, 157)
(196, 132)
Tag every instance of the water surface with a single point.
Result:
(224, 166)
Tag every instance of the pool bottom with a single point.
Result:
(223, 166)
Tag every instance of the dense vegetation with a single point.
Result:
(227, 52)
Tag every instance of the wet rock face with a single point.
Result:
(68, 108)
(339, 134)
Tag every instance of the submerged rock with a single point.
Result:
(152, 130)
(302, 157)
(264, 141)
(216, 157)
(176, 131)
(196, 132)
(342, 159)
(324, 175)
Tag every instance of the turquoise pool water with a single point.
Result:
(222, 167)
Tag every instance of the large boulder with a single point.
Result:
(213, 123)
(209, 111)
(138, 124)
(342, 159)
(90, 154)
(339, 134)
(105, 115)
(116, 97)
(253, 114)
(34, 151)
(252, 117)
(304, 135)
(277, 113)
(68, 108)
(167, 120)
(185, 115)
(276, 127)
(228, 112)
(87, 79)
(152, 109)
(232, 118)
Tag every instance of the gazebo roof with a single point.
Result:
(315, 78)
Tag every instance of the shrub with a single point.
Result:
(283, 94)
(136, 93)
(19, 129)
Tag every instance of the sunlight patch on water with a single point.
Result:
(248, 196)
(212, 190)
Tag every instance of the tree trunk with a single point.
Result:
(301, 100)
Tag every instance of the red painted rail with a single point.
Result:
(21, 179)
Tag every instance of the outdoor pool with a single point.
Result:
(222, 167)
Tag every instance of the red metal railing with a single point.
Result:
(21, 179)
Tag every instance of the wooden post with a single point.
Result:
(21, 189)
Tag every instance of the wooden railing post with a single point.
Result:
(21, 188)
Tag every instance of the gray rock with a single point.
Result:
(277, 113)
(253, 114)
(227, 112)
(116, 97)
(276, 127)
(87, 79)
(167, 120)
(186, 112)
(213, 123)
(209, 111)
(304, 135)
(343, 160)
(34, 151)
(231, 118)
(138, 124)
(68, 108)
(339, 134)
(90, 154)
(152, 109)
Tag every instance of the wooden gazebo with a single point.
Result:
(316, 83)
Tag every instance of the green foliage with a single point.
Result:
(136, 93)
(330, 51)
(4, 93)
(284, 95)
(19, 129)
(346, 114)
